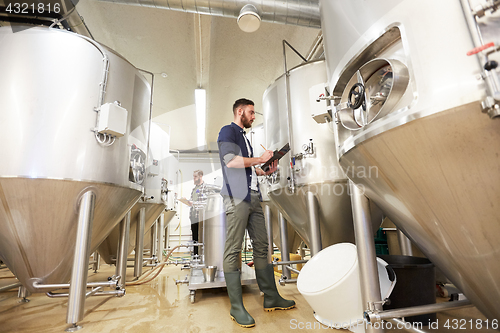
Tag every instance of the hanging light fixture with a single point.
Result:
(249, 18)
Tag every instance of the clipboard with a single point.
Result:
(278, 154)
(184, 201)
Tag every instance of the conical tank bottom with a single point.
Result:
(335, 213)
(109, 247)
(438, 180)
(38, 222)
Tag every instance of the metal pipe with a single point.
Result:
(97, 261)
(152, 240)
(161, 235)
(404, 244)
(277, 263)
(312, 52)
(139, 242)
(40, 287)
(78, 285)
(377, 316)
(289, 112)
(268, 215)
(93, 291)
(296, 271)
(365, 245)
(282, 281)
(120, 292)
(121, 264)
(11, 286)
(285, 254)
(315, 230)
(294, 12)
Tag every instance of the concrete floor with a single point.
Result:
(163, 306)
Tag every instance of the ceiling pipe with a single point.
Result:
(294, 12)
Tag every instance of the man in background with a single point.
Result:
(194, 214)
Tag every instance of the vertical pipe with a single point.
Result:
(139, 242)
(121, 263)
(78, 285)
(313, 215)
(285, 252)
(365, 245)
(167, 237)
(161, 235)
(268, 215)
(97, 261)
(404, 244)
(153, 234)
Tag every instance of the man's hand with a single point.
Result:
(272, 167)
(266, 156)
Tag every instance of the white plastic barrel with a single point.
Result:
(330, 284)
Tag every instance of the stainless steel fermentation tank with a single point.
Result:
(421, 126)
(51, 85)
(257, 138)
(310, 188)
(155, 198)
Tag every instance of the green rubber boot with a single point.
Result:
(272, 299)
(238, 312)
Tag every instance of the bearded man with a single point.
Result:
(242, 199)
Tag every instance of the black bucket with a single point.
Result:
(416, 285)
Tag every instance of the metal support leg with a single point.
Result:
(161, 235)
(404, 244)
(23, 293)
(139, 243)
(153, 234)
(97, 261)
(365, 244)
(268, 215)
(121, 262)
(313, 214)
(78, 285)
(285, 252)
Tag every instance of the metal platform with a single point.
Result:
(197, 280)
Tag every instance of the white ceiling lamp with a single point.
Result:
(249, 18)
(200, 98)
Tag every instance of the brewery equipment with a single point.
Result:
(408, 100)
(72, 112)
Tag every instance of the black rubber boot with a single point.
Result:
(238, 312)
(267, 284)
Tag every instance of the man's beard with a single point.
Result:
(245, 121)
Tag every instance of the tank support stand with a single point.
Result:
(285, 252)
(78, 285)
(121, 263)
(139, 243)
(160, 225)
(268, 215)
(313, 215)
(367, 261)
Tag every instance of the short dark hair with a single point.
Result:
(241, 102)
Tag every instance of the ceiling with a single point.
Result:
(195, 51)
